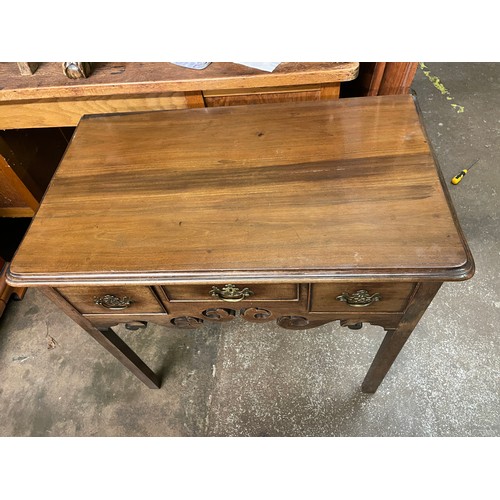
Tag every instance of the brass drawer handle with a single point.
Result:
(113, 303)
(361, 298)
(230, 293)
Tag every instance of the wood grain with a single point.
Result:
(397, 78)
(111, 79)
(67, 113)
(305, 191)
(263, 95)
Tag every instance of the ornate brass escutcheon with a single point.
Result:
(361, 298)
(113, 302)
(230, 293)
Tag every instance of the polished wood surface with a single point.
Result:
(304, 191)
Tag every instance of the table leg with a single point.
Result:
(109, 340)
(396, 338)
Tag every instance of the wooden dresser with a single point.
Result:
(300, 213)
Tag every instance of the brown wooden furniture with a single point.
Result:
(49, 99)
(300, 213)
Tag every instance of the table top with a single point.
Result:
(134, 78)
(298, 192)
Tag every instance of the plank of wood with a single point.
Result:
(261, 90)
(110, 79)
(263, 95)
(261, 98)
(67, 113)
(304, 191)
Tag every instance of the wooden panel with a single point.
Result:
(397, 78)
(333, 188)
(262, 95)
(393, 297)
(330, 91)
(15, 199)
(373, 80)
(239, 99)
(67, 113)
(260, 292)
(111, 79)
(83, 299)
(194, 99)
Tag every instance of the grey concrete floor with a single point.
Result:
(247, 380)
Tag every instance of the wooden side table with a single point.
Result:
(300, 213)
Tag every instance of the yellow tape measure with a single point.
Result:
(461, 175)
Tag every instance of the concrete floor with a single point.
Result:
(258, 380)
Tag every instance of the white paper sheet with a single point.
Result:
(264, 66)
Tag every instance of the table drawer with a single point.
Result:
(240, 292)
(360, 297)
(112, 299)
